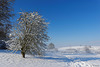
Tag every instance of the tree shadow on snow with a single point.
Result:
(69, 60)
(9, 51)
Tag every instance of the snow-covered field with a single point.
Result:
(78, 56)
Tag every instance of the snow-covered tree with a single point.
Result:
(51, 46)
(30, 34)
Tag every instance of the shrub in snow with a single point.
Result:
(87, 49)
(51, 46)
(30, 34)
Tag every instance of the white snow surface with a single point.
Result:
(64, 57)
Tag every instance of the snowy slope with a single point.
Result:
(15, 60)
(51, 59)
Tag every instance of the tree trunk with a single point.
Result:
(23, 54)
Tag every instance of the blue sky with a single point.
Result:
(72, 22)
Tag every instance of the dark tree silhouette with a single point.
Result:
(6, 12)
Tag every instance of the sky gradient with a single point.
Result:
(72, 22)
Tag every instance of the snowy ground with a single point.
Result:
(64, 57)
